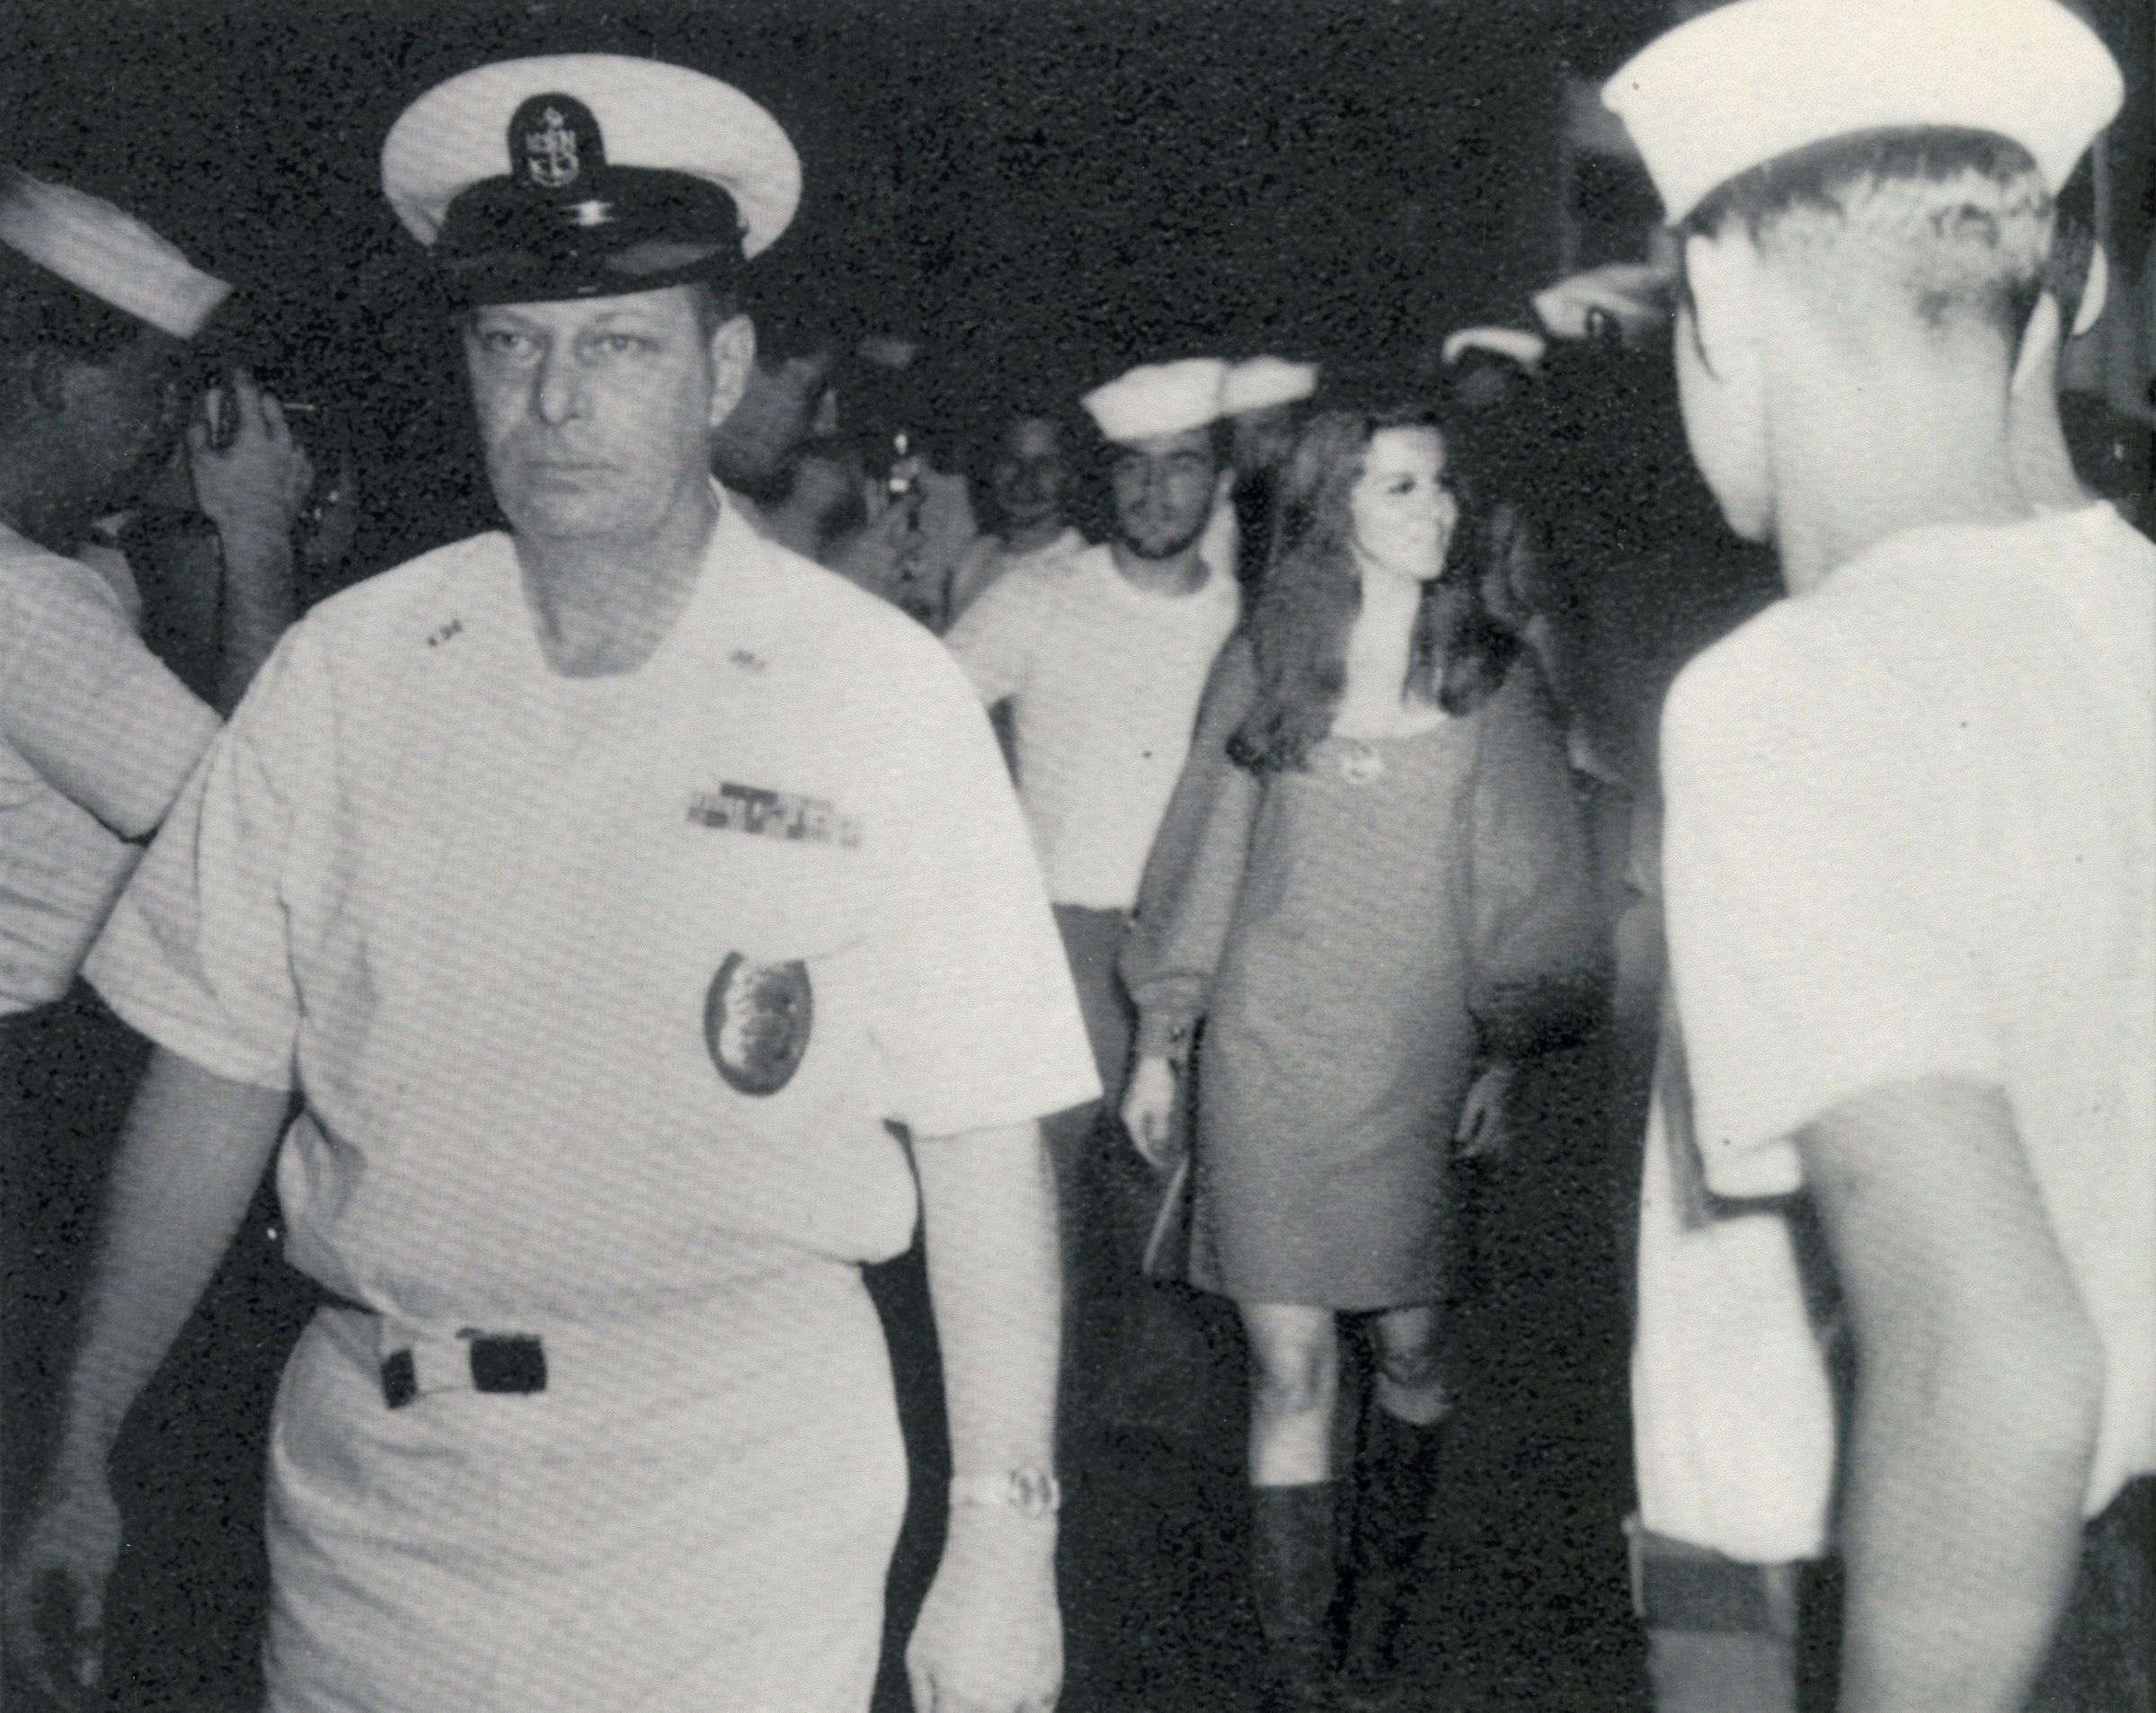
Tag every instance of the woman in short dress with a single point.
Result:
(1372, 889)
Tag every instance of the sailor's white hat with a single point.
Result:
(1257, 381)
(99, 249)
(1748, 82)
(1159, 398)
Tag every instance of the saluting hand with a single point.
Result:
(253, 487)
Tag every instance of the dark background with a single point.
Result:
(1051, 188)
(1178, 172)
(1128, 179)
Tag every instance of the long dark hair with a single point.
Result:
(1300, 624)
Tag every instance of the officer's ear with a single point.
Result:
(733, 355)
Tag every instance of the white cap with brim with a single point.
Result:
(1159, 398)
(112, 255)
(1755, 80)
(599, 171)
(1259, 383)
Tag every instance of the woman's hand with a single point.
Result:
(1482, 1132)
(1148, 1111)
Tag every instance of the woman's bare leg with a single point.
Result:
(1294, 1376)
(1410, 1381)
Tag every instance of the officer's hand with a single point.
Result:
(1149, 1112)
(1481, 1134)
(54, 1591)
(253, 487)
(989, 1638)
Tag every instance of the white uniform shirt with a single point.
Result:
(96, 738)
(1732, 1402)
(598, 988)
(1912, 834)
(1103, 680)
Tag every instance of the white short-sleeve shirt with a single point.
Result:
(1733, 1397)
(1103, 680)
(989, 560)
(96, 738)
(595, 985)
(1912, 833)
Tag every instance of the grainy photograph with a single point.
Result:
(1125, 856)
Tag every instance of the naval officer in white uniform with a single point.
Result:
(602, 888)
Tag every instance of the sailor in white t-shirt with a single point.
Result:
(96, 735)
(96, 738)
(1103, 654)
(1100, 658)
(606, 891)
(1910, 865)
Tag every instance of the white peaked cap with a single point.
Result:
(1523, 347)
(1748, 82)
(1634, 295)
(1258, 382)
(112, 255)
(651, 114)
(1159, 398)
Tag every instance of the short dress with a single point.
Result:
(1357, 934)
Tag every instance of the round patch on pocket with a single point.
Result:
(757, 1019)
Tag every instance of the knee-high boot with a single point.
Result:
(1292, 1579)
(1397, 1482)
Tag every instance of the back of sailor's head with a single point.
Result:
(1896, 153)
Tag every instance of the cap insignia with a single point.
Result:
(554, 143)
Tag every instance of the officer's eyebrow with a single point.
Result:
(496, 314)
(510, 316)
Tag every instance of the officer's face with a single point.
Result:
(1164, 492)
(597, 415)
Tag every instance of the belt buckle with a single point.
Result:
(509, 1362)
(512, 1364)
